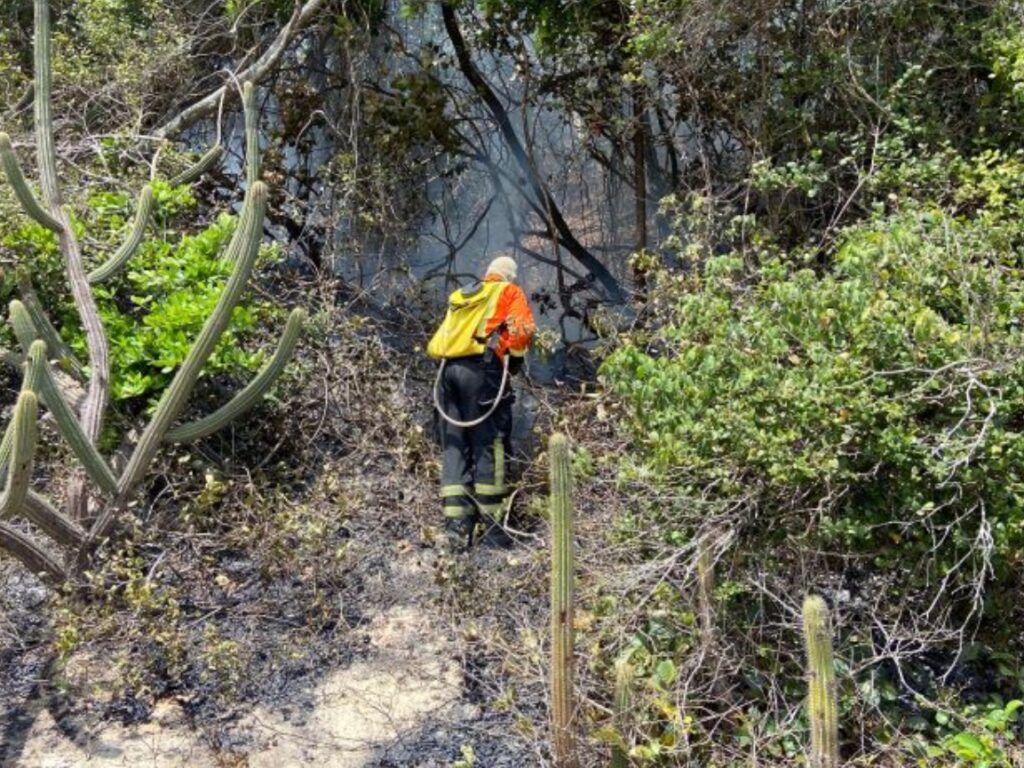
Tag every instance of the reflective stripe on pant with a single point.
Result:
(491, 496)
(457, 500)
(474, 457)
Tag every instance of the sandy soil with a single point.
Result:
(355, 716)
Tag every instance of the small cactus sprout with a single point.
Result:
(620, 710)
(822, 707)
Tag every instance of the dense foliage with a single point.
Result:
(171, 285)
(817, 382)
(829, 368)
(876, 400)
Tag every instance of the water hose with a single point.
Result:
(486, 416)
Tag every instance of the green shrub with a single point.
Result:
(172, 284)
(869, 396)
(888, 392)
(857, 404)
(978, 737)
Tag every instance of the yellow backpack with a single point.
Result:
(462, 332)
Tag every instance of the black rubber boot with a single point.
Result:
(459, 532)
(472, 525)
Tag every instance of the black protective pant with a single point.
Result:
(473, 458)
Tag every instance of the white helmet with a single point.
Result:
(505, 266)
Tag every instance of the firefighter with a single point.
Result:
(481, 344)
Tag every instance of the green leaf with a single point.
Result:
(665, 672)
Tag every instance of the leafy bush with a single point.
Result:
(883, 399)
(981, 737)
(858, 406)
(172, 282)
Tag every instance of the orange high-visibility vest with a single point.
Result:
(476, 312)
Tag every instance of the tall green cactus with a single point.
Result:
(98, 387)
(822, 704)
(562, 661)
(71, 530)
(243, 247)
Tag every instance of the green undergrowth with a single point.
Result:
(846, 418)
(241, 577)
(157, 305)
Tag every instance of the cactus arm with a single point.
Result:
(17, 499)
(47, 332)
(46, 152)
(30, 554)
(95, 465)
(21, 322)
(5, 449)
(248, 397)
(562, 711)
(244, 222)
(35, 367)
(95, 403)
(67, 422)
(201, 166)
(252, 134)
(30, 383)
(23, 447)
(56, 524)
(822, 705)
(22, 191)
(243, 248)
(116, 262)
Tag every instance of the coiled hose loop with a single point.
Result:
(486, 416)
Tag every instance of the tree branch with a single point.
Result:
(555, 220)
(254, 73)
